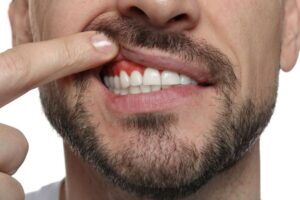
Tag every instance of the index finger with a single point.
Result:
(30, 65)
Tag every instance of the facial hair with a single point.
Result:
(176, 168)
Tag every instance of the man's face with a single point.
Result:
(170, 142)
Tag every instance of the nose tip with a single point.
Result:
(179, 14)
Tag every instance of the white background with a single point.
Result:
(44, 164)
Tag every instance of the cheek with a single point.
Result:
(249, 32)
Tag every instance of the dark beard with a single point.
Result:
(176, 168)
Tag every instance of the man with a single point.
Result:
(171, 106)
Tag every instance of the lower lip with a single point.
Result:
(162, 100)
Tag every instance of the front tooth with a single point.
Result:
(170, 78)
(136, 78)
(134, 90)
(124, 79)
(185, 80)
(151, 77)
(145, 88)
(155, 88)
(111, 82)
(117, 84)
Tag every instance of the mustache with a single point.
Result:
(136, 33)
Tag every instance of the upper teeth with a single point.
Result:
(152, 80)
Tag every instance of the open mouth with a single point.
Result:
(146, 81)
(126, 77)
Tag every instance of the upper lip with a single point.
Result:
(164, 61)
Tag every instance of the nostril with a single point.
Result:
(181, 21)
(135, 11)
(181, 17)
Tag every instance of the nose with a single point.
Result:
(174, 14)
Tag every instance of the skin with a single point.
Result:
(258, 36)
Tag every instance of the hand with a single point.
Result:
(30, 65)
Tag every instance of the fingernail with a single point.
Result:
(104, 45)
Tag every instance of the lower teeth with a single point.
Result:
(139, 89)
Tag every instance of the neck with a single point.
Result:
(242, 181)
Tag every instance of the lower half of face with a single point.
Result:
(161, 144)
(171, 111)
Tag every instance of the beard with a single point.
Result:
(155, 163)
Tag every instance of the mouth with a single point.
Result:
(139, 81)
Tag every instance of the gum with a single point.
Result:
(115, 68)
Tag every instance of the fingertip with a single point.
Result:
(14, 148)
(10, 189)
(105, 46)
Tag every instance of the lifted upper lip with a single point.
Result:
(164, 61)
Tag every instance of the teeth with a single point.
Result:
(134, 90)
(117, 84)
(124, 91)
(111, 82)
(185, 80)
(152, 81)
(106, 81)
(165, 86)
(136, 78)
(170, 78)
(124, 79)
(194, 82)
(155, 88)
(151, 77)
(117, 91)
(145, 88)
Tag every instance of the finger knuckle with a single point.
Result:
(69, 53)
